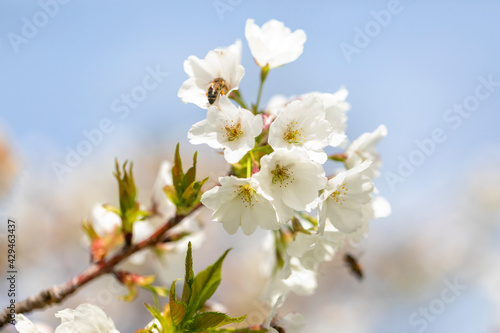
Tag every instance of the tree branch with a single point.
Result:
(59, 293)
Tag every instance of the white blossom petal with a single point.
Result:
(240, 202)
(344, 197)
(292, 180)
(364, 148)
(24, 325)
(86, 318)
(164, 206)
(228, 127)
(301, 125)
(274, 44)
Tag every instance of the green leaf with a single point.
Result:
(189, 277)
(129, 208)
(238, 330)
(89, 230)
(177, 309)
(177, 173)
(165, 325)
(126, 186)
(240, 169)
(205, 284)
(191, 173)
(157, 290)
(208, 320)
(192, 193)
(171, 193)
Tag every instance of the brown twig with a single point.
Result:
(59, 293)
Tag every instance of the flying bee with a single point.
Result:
(354, 266)
(217, 87)
(276, 326)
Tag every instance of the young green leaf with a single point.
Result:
(191, 173)
(207, 320)
(192, 194)
(177, 173)
(189, 277)
(205, 284)
(165, 325)
(129, 208)
(177, 309)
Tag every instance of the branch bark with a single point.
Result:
(57, 294)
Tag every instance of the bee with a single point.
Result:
(276, 326)
(217, 87)
(354, 266)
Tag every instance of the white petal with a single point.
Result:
(274, 44)
(24, 325)
(86, 318)
(203, 132)
(301, 245)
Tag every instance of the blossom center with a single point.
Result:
(294, 135)
(247, 194)
(233, 130)
(282, 175)
(337, 195)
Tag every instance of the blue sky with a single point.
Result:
(66, 74)
(64, 79)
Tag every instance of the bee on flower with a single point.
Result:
(219, 73)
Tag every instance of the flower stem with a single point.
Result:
(263, 76)
(236, 96)
(249, 168)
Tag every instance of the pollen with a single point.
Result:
(283, 175)
(337, 196)
(232, 130)
(247, 195)
(294, 134)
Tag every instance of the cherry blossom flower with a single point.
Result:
(274, 44)
(104, 221)
(86, 318)
(227, 127)
(240, 202)
(301, 125)
(292, 278)
(343, 199)
(378, 207)
(163, 206)
(313, 249)
(220, 71)
(335, 109)
(24, 325)
(292, 180)
(364, 148)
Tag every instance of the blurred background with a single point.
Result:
(429, 72)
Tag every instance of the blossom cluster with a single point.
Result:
(278, 156)
(278, 182)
